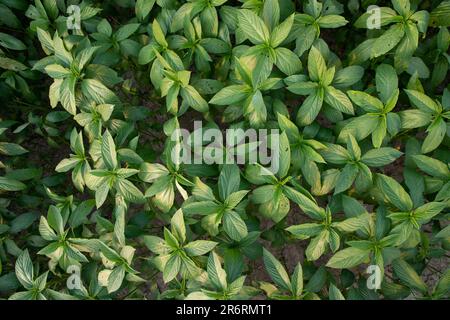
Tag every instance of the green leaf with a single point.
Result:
(55, 220)
(346, 178)
(253, 27)
(289, 127)
(255, 109)
(129, 191)
(353, 148)
(366, 101)
(287, 61)
(317, 246)
(305, 230)
(9, 18)
(386, 80)
(61, 52)
(297, 280)
(101, 192)
(338, 100)
(156, 245)
(379, 133)
(7, 184)
(439, 16)
(422, 101)
(235, 198)
(348, 258)
(234, 226)
(67, 95)
(229, 180)
(432, 166)
(394, 192)
(408, 275)
(22, 222)
(97, 91)
(182, 14)
(115, 279)
(126, 31)
(348, 76)
(149, 172)
(334, 153)
(281, 32)
(194, 99)
(436, 134)
(10, 64)
(401, 6)
(230, 95)
(362, 52)
(11, 149)
(317, 281)
(387, 41)
(147, 53)
(442, 288)
(316, 65)
(352, 224)
(56, 71)
(331, 21)
(178, 227)
(24, 270)
(414, 118)
(199, 247)
(426, 212)
(143, 8)
(276, 271)
(271, 13)
(310, 108)
(172, 268)
(334, 293)
(9, 42)
(360, 127)
(109, 154)
(305, 203)
(216, 274)
(81, 212)
(380, 157)
(285, 156)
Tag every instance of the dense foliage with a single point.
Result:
(93, 206)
